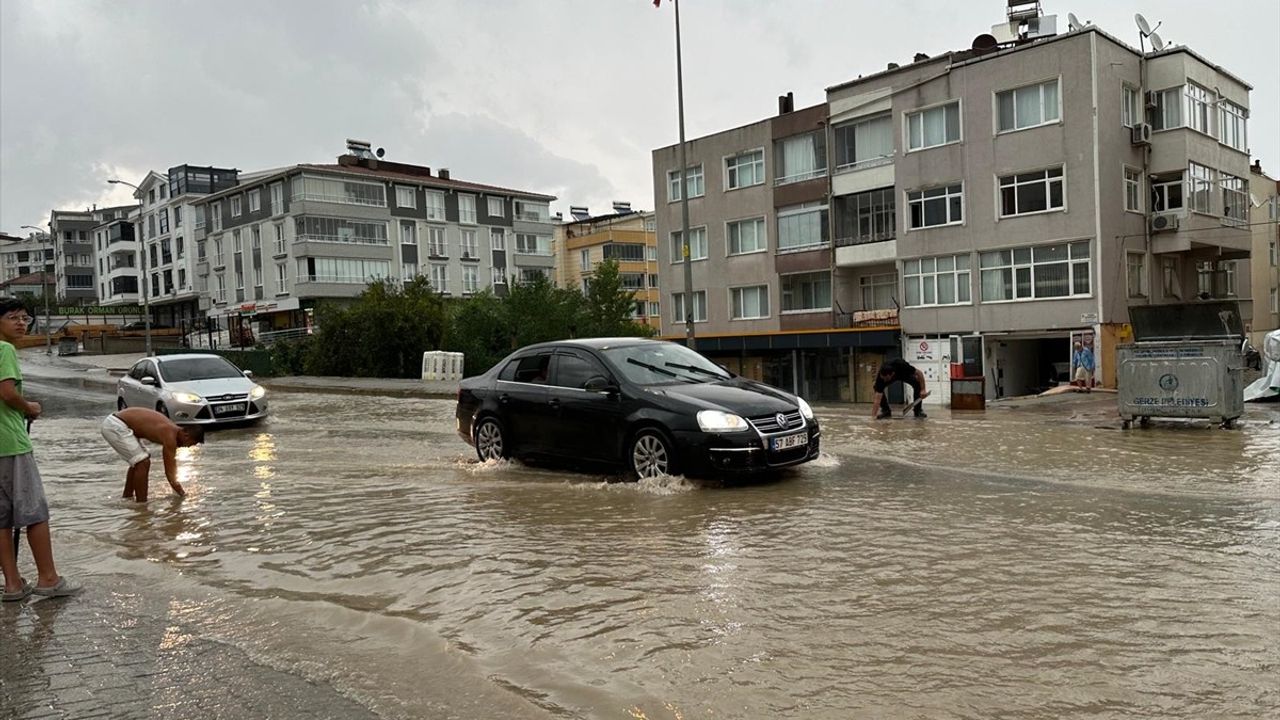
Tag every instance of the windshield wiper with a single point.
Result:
(695, 368)
(657, 369)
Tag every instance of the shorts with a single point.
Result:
(22, 502)
(122, 439)
(1083, 375)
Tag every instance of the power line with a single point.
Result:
(1203, 231)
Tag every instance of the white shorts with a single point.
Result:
(122, 439)
(1082, 374)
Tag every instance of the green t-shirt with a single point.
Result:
(13, 423)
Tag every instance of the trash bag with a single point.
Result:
(1267, 387)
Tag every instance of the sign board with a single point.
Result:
(97, 310)
(1089, 318)
(924, 349)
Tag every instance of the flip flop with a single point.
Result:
(22, 594)
(62, 588)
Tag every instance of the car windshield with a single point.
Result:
(656, 363)
(203, 368)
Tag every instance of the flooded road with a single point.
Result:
(1020, 564)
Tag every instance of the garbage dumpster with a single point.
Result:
(1185, 362)
(68, 346)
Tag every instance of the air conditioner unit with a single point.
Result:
(1140, 134)
(1165, 222)
(1153, 99)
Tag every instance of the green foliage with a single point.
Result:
(288, 357)
(382, 334)
(608, 305)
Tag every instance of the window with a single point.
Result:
(1167, 112)
(408, 270)
(469, 245)
(1171, 277)
(470, 281)
(1231, 121)
(1166, 193)
(528, 275)
(168, 281)
(164, 221)
(499, 276)
(435, 205)
(878, 291)
(653, 281)
(346, 271)
(584, 259)
(496, 207)
(279, 238)
(697, 245)
(151, 226)
(1036, 273)
(180, 247)
(437, 245)
(936, 206)
(533, 244)
(1272, 253)
(693, 177)
(467, 209)
(257, 237)
(255, 200)
(235, 206)
(497, 239)
(749, 303)
(1031, 192)
(653, 307)
(866, 217)
(221, 294)
(651, 253)
(800, 157)
(282, 274)
(1216, 280)
(533, 211)
(1133, 190)
(408, 232)
(1199, 109)
(940, 280)
(1200, 190)
(182, 279)
(406, 197)
(746, 236)
(864, 141)
(1275, 306)
(236, 241)
(631, 281)
(1027, 106)
(678, 314)
(802, 226)
(625, 252)
(1235, 200)
(1129, 106)
(744, 170)
(1136, 274)
(342, 192)
(440, 277)
(200, 212)
(933, 127)
(340, 230)
(806, 292)
(277, 198)
(177, 217)
(217, 252)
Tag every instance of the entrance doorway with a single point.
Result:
(1027, 366)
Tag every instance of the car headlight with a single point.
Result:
(716, 421)
(258, 392)
(805, 410)
(187, 397)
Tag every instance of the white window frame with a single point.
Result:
(761, 236)
(499, 276)
(1168, 112)
(1038, 87)
(1136, 273)
(235, 206)
(694, 178)
(1160, 194)
(920, 112)
(406, 196)
(468, 245)
(282, 278)
(277, 198)
(470, 279)
(852, 125)
(733, 168)
(410, 238)
(497, 239)
(868, 285)
(1072, 262)
(280, 243)
(677, 249)
(946, 197)
(255, 200)
(1202, 180)
(216, 215)
(794, 211)
(677, 307)
(1275, 301)
(1233, 125)
(1171, 277)
(1234, 197)
(437, 242)
(782, 293)
(439, 277)
(1132, 181)
(927, 275)
(466, 209)
(1130, 105)
(654, 309)
(737, 306)
(1047, 180)
(1198, 109)
(584, 259)
(501, 206)
(433, 205)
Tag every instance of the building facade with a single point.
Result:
(627, 237)
(1264, 222)
(22, 255)
(74, 254)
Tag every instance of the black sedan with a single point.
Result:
(657, 408)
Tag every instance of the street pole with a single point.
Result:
(684, 196)
(44, 287)
(137, 237)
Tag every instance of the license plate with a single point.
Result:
(229, 409)
(789, 441)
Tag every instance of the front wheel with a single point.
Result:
(652, 455)
(491, 443)
(162, 409)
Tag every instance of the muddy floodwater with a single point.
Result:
(1023, 563)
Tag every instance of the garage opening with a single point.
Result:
(1032, 365)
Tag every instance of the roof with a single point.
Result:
(594, 343)
(30, 279)
(603, 218)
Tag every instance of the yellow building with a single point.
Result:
(626, 236)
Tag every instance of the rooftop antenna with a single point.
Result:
(1145, 31)
(1073, 22)
(1157, 43)
(1143, 26)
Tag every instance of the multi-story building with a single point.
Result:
(21, 256)
(271, 247)
(1264, 222)
(1003, 200)
(74, 261)
(119, 269)
(626, 236)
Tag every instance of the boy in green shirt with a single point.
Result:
(22, 501)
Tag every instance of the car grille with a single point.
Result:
(769, 423)
(226, 398)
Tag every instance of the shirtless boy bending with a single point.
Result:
(124, 429)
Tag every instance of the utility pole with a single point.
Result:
(685, 243)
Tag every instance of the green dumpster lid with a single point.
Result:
(1211, 320)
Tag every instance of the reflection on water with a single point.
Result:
(1002, 565)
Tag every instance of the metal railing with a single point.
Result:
(350, 239)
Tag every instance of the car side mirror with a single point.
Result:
(599, 383)
(148, 380)
(248, 373)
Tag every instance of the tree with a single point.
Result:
(382, 334)
(609, 305)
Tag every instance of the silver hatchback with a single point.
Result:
(193, 389)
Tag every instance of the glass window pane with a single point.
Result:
(1004, 102)
(929, 296)
(1051, 100)
(1080, 278)
(962, 287)
(1028, 106)
(946, 263)
(912, 286)
(1022, 256)
(946, 289)
(1022, 286)
(935, 212)
(953, 122)
(1050, 253)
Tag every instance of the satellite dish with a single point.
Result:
(1156, 43)
(1073, 22)
(1143, 26)
(381, 152)
(983, 43)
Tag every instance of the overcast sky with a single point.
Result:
(566, 97)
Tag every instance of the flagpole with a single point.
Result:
(684, 196)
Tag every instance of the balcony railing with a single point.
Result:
(336, 279)
(865, 164)
(532, 216)
(865, 239)
(526, 250)
(348, 239)
(801, 177)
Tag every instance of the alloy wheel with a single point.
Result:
(650, 457)
(489, 441)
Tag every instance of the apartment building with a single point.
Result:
(1000, 202)
(22, 255)
(626, 236)
(268, 249)
(116, 257)
(1264, 223)
(73, 252)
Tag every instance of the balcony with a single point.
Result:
(345, 239)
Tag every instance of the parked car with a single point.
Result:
(653, 407)
(193, 389)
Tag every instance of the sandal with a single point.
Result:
(22, 594)
(62, 588)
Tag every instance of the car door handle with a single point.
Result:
(554, 402)
(504, 398)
